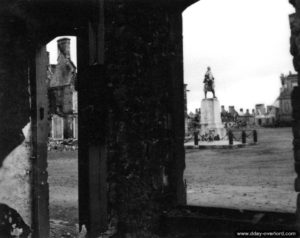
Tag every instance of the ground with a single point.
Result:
(63, 185)
(258, 177)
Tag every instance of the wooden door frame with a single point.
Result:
(92, 185)
(40, 129)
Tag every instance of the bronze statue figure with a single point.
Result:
(209, 83)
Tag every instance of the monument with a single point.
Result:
(211, 123)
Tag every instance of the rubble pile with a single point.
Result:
(63, 145)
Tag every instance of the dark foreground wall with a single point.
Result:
(137, 97)
(144, 68)
(135, 109)
(15, 165)
(295, 51)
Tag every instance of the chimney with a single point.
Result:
(241, 110)
(63, 46)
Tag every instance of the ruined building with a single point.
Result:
(266, 116)
(234, 118)
(288, 82)
(62, 94)
(130, 120)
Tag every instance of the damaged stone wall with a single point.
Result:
(15, 150)
(15, 187)
(140, 58)
(142, 103)
(295, 51)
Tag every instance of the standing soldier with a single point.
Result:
(209, 84)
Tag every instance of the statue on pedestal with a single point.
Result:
(211, 121)
(209, 84)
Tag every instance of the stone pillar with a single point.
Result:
(144, 68)
(211, 117)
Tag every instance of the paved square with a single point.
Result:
(259, 177)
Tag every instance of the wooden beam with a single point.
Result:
(92, 152)
(40, 129)
(98, 190)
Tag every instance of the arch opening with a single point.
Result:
(251, 68)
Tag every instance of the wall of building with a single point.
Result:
(61, 98)
(65, 70)
(285, 111)
(285, 105)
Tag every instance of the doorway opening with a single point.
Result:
(250, 71)
(63, 136)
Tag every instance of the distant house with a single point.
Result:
(229, 117)
(246, 118)
(266, 116)
(288, 82)
(232, 118)
(260, 116)
(62, 94)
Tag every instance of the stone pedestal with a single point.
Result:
(211, 118)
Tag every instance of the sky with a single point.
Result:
(246, 44)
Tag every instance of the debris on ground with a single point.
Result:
(63, 145)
